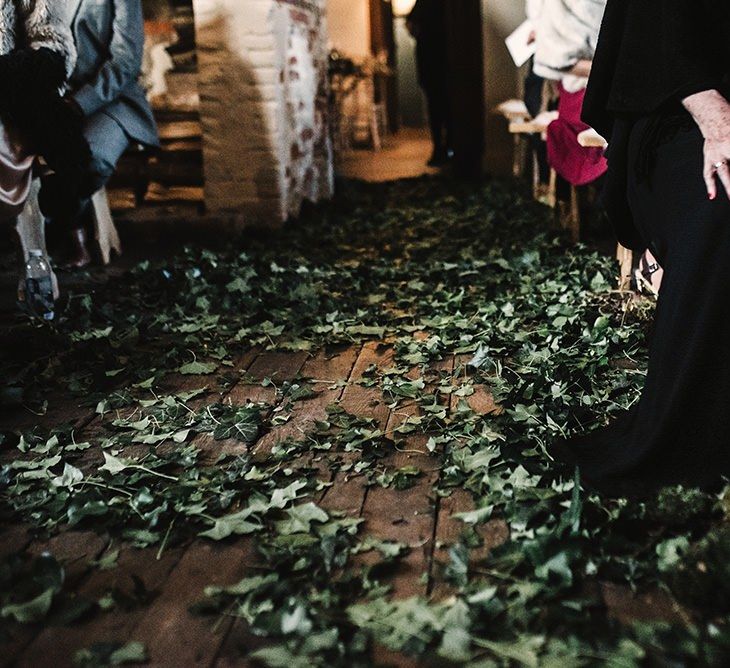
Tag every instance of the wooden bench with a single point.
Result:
(171, 174)
(538, 126)
(570, 215)
(521, 126)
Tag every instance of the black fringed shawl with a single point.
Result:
(651, 54)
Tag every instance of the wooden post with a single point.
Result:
(552, 196)
(519, 157)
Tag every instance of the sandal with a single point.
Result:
(649, 275)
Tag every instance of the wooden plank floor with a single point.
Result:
(170, 632)
(177, 577)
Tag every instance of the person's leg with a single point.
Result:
(448, 121)
(679, 431)
(439, 116)
(533, 92)
(683, 410)
(69, 205)
(436, 124)
(534, 85)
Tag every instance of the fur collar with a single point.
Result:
(37, 24)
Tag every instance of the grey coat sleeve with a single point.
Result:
(567, 33)
(124, 64)
(46, 26)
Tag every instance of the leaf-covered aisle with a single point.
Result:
(327, 448)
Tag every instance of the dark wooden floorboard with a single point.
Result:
(407, 516)
(173, 634)
(136, 571)
(162, 619)
(326, 373)
(450, 529)
(348, 489)
(75, 551)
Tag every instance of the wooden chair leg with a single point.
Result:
(574, 220)
(569, 215)
(518, 157)
(106, 233)
(625, 259)
(542, 192)
(552, 195)
(375, 129)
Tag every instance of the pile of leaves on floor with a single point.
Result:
(433, 269)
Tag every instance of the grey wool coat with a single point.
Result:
(109, 36)
(42, 23)
(568, 32)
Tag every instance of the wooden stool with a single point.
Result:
(522, 130)
(515, 111)
(570, 217)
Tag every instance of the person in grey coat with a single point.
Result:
(105, 93)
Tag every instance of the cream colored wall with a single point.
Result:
(349, 27)
(500, 18)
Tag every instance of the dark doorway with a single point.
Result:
(394, 84)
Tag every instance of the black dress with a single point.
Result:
(429, 17)
(679, 432)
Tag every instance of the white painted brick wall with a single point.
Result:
(263, 106)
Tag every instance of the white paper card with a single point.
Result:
(518, 44)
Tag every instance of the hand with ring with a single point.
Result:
(711, 111)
